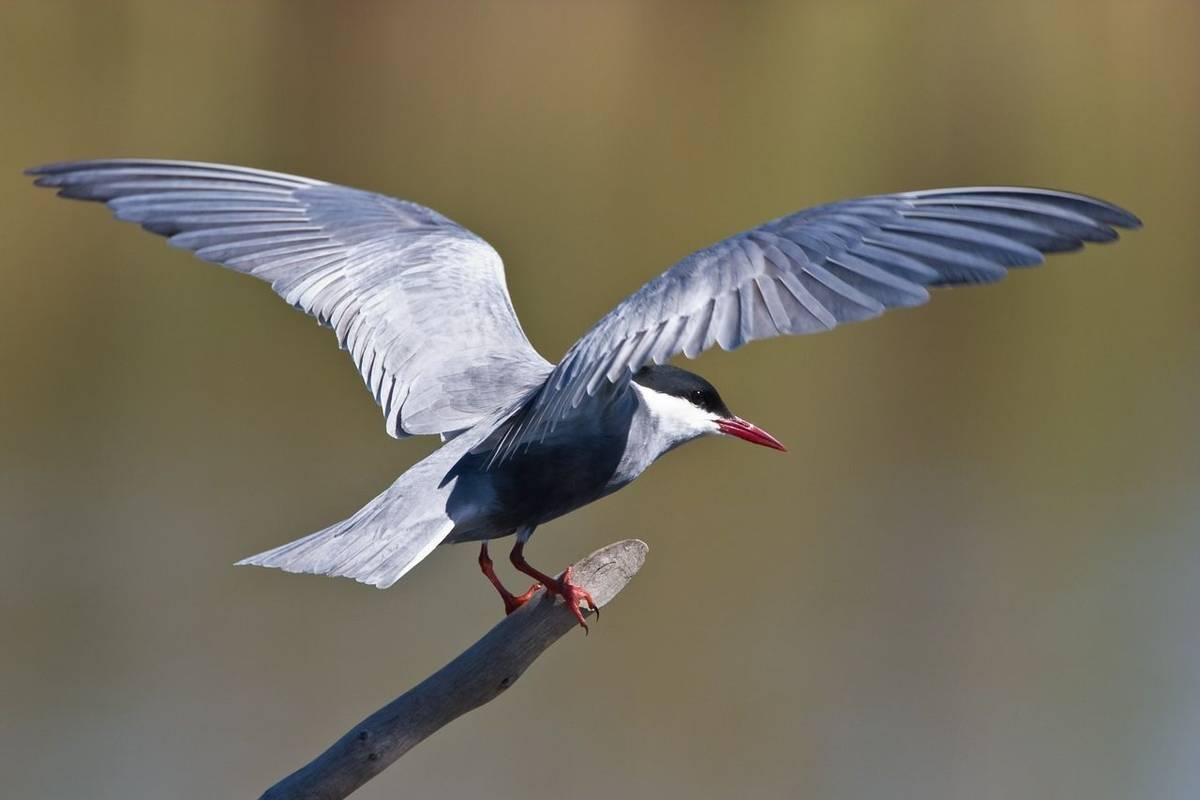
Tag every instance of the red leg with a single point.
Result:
(571, 594)
(511, 601)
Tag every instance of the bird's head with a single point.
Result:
(687, 406)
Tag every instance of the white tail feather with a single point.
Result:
(389, 535)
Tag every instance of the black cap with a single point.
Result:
(666, 379)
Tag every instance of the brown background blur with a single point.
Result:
(975, 575)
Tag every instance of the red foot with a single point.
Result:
(511, 601)
(573, 595)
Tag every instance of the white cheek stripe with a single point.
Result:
(675, 419)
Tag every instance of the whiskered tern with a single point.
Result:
(421, 305)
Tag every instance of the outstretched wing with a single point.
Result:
(419, 301)
(809, 271)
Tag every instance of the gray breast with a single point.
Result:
(574, 466)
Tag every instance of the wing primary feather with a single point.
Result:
(639, 355)
(769, 291)
(665, 343)
(619, 361)
(1004, 250)
(696, 330)
(755, 322)
(830, 281)
(806, 299)
(726, 321)
(888, 288)
(1077, 225)
(921, 273)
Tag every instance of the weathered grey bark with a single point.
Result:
(480, 674)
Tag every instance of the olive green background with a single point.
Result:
(975, 575)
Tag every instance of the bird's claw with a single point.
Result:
(573, 595)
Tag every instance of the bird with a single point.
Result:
(422, 306)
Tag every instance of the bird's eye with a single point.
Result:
(697, 397)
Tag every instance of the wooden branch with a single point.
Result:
(478, 675)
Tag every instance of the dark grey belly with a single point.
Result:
(535, 486)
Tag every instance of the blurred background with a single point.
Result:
(976, 573)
